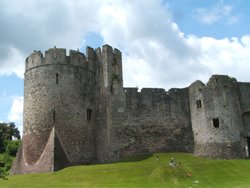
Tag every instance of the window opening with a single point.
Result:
(198, 103)
(54, 116)
(89, 114)
(57, 76)
(216, 123)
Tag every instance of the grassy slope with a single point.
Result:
(144, 172)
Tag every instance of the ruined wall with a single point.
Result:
(245, 106)
(154, 121)
(216, 118)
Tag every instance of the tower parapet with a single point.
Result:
(55, 56)
(112, 70)
(35, 59)
(78, 59)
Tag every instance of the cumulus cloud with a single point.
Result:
(39, 25)
(13, 63)
(16, 112)
(225, 56)
(154, 48)
(219, 12)
(155, 51)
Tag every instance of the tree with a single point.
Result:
(12, 147)
(9, 142)
(3, 174)
(8, 131)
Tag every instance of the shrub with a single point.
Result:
(12, 147)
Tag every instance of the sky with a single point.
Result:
(165, 43)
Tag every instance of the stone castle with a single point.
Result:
(76, 111)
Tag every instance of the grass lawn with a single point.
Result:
(144, 171)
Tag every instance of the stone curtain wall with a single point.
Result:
(245, 106)
(155, 121)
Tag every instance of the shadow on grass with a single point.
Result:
(136, 158)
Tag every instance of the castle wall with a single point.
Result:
(76, 111)
(245, 106)
(216, 118)
(154, 121)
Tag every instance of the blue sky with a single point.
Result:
(185, 15)
(165, 44)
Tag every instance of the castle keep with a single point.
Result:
(76, 111)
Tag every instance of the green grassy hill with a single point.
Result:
(144, 171)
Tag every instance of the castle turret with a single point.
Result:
(112, 102)
(216, 118)
(59, 111)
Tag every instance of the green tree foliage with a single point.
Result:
(9, 143)
(8, 131)
(3, 174)
(12, 147)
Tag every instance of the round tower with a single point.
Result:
(59, 108)
(216, 119)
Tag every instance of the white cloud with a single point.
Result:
(219, 12)
(16, 112)
(225, 56)
(13, 64)
(39, 25)
(153, 46)
(155, 52)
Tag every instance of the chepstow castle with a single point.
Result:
(76, 111)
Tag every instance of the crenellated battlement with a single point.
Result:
(75, 57)
(152, 91)
(153, 96)
(109, 51)
(35, 59)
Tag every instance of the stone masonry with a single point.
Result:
(76, 111)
